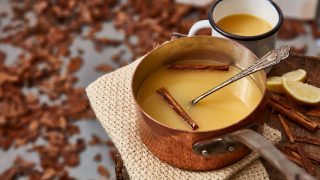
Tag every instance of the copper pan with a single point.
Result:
(214, 149)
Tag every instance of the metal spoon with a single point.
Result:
(271, 58)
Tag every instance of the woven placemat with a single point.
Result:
(111, 99)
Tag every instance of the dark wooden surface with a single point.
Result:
(312, 66)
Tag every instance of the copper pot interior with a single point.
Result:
(202, 48)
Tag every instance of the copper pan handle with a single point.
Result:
(269, 152)
(253, 140)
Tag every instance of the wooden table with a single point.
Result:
(312, 66)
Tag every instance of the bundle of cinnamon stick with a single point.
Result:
(296, 151)
(292, 114)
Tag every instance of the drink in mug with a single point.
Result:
(252, 23)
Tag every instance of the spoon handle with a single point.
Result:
(271, 58)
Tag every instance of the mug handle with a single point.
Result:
(199, 25)
(258, 143)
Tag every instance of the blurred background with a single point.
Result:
(50, 50)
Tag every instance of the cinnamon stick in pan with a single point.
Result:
(285, 128)
(208, 67)
(164, 93)
(292, 114)
(308, 140)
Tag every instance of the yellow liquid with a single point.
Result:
(244, 25)
(221, 109)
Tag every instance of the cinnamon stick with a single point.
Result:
(164, 93)
(314, 158)
(308, 140)
(293, 152)
(292, 156)
(208, 67)
(307, 164)
(285, 128)
(293, 114)
(314, 112)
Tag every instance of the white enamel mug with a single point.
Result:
(265, 9)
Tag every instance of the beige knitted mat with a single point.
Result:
(111, 100)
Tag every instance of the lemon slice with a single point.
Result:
(297, 75)
(302, 92)
(274, 84)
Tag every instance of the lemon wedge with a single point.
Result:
(302, 92)
(297, 75)
(274, 84)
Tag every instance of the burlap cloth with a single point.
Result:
(111, 100)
